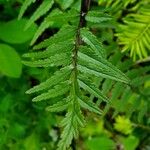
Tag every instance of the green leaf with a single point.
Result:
(51, 50)
(59, 76)
(31, 142)
(100, 68)
(6, 103)
(134, 35)
(13, 31)
(100, 143)
(10, 62)
(71, 123)
(58, 90)
(130, 143)
(56, 60)
(25, 5)
(70, 129)
(45, 24)
(97, 17)
(91, 40)
(60, 36)
(90, 106)
(41, 10)
(55, 17)
(123, 125)
(64, 5)
(92, 89)
(59, 106)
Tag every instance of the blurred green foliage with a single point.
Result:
(123, 125)
(27, 126)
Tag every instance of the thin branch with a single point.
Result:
(85, 4)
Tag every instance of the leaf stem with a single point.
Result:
(85, 4)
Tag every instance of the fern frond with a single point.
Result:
(58, 90)
(45, 24)
(114, 4)
(59, 76)
(100, 68)
(59, 106)
(115, 7)
(56, 60)
(65, 4)
(60, 36)
(135, 34)
(24, 7)
(71, 123)
(89, 106)
(61, 47)
(55, 16)
(122, 96)
(93, 42)
(76, 65)
(41, 10)
(97, 17)
(92, 89)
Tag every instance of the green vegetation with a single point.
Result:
(74, 75)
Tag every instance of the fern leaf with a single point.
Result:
(53, 17)
(60, 36)
(97, 17)
(92, 89)
(51, 50)
(68, 132)
(90, 106)
(58, 90)
(56, 60)
(59, 106)
(59, 76)
(71, 124)
(100, 68)
(77, 66)
(92, 41)
(88, 51)
(25, 5)
(64, 5)
(41, 10)
(106, 87)
(136, 41)
(45, 24)
(116, 91)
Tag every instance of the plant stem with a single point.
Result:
(85, 4)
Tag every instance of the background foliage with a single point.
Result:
(125, 123)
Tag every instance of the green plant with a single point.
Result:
(11, 35)
(133, 30)
(123, 125)
(79, 56)
(25, 125)
(135, 34)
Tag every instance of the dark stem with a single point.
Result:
(85, 5)
(73, 144)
